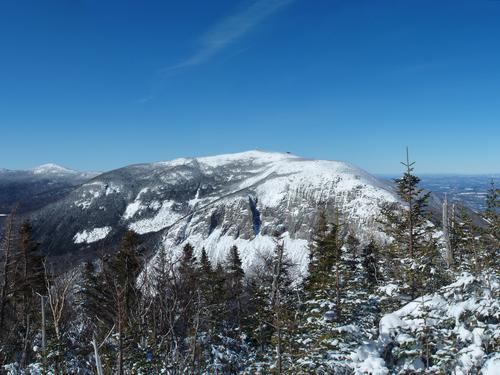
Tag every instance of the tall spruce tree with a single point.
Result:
(324, 254)
(492, 214)
(234, 286)
(491, 238)
(29, 282)
(94, 303)
(324, 295)
(413, 252)
(121, 271)
(187, 290)
(463, 233)
(271, 313)
(7, 263)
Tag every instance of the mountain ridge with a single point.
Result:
(215, 202)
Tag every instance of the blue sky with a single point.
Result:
(95, 85)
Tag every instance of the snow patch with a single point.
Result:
(92, 235)
(94, 190)
(470, 302)
(135, 206)
(366, 360)
(492, 365)
(217, 245)
(164, 218)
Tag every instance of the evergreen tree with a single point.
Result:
(316, 274)
(188, 275)
(29, 281)
(463, 241)
(413, 254)
(491, 239)
(370, 264)
(234, 286)
(271, 314)
(94, 300)
(324, 254)
(492, 204)
(324, 295)
(212, 288)
(361, 269)
(205, 264)
(7, 273)
(121, 271)
(218, 296)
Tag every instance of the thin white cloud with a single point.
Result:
(220, 36)
(230, 29)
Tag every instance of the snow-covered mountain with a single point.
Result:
(34, 188)
(55, 170)
(215, 202)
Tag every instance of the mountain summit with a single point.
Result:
(51, 168)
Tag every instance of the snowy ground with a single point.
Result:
(462, 319)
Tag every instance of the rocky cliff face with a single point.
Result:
(215, 202)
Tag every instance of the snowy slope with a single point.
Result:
(462, 321)
(218, 201)
(51, 168)
(282, 191)
(55, 170)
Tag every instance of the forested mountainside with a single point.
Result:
(380, 289)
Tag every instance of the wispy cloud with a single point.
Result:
(228, 30)
(224, 33)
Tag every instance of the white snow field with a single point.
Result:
(279, 184)
(92, 235)
(463, 311)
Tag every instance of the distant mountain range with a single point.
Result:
(213, 202)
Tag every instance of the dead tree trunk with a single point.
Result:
(58, 290)
(42, 303)
(98, 363)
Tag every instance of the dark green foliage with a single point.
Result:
(491, 239)
(120, 272)
(234, 286)
(22, 279)
(324, 254)
(413, 255)
(30, 268)
(370, 264)
(492, 203)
